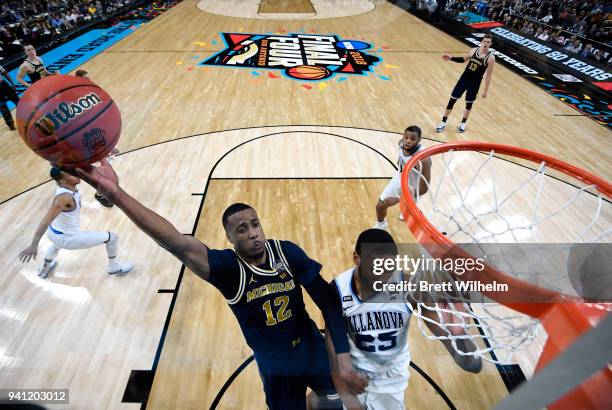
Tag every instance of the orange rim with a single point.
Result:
(563, 317)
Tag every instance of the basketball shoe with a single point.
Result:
(115, 268)
(45, 270)
(381, 225)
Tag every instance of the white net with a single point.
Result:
(525, 222)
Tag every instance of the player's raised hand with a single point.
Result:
(28, 253)
(445, 57)
(102, 178)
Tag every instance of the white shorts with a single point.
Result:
(79, 240)
(393, 188)
(386, 393)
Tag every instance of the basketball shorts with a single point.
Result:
(287, 374)
(79, 240)
(386, 392)
(393, 188)
(469, 88)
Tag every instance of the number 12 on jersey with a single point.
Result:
(281, 314)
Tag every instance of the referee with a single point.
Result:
(7, 93)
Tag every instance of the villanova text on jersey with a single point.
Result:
(368, 321)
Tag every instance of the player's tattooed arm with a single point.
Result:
(190, 251)
(349, 399)
(61, 203)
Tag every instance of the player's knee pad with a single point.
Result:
(451, 103)
(468, 105)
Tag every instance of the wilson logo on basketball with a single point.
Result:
(309, 57)
(52, 121)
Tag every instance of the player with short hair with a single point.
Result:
(33, 66)
(62, 225)
(261, 280)
(378, 327)
(480, 61)
(419, 177)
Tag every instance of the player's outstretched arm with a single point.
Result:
(468, 363)
(350, 401)
(60, 203)
(461, 59)
(190, 251)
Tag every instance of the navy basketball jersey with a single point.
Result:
(267, 299)
(39, 69)
(476, 67)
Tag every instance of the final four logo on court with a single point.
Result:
(310, 57)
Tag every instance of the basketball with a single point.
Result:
(308, 72)
(68, 120)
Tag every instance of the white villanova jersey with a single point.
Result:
(68, 222)
(378, 332)
(402, 160)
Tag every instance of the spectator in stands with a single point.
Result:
(559, 36)
(588, 50)
(575, 47)
(528, 29)
(544, 36)
(598, 56)
(56, 23)
(538, 32)
(569, 42)
(36, 21)
(563, 18)
(546, 19)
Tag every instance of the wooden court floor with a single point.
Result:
(83, 330)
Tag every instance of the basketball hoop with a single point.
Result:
(472, 208)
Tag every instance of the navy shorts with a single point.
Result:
(287, 374)
(470, 89)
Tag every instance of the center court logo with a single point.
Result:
(309, 57)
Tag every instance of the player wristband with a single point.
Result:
(457, 59)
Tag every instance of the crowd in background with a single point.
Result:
(37, 21)
(582, 27)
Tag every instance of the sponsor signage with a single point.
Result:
(557, 57)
